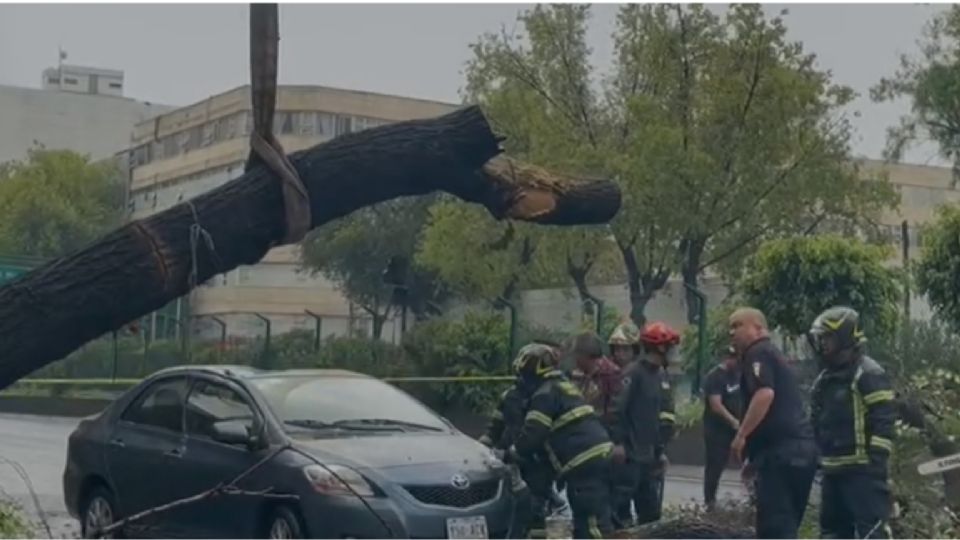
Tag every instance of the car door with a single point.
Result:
(144, 451)
(210, 462)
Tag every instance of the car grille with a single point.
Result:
(477, 493)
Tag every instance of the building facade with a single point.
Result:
(77, 108)
(186, 152)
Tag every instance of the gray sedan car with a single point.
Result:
(343, 456)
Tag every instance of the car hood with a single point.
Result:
(401, 450)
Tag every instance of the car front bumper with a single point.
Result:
(394, 517)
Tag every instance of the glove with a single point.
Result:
(486, 441)
(664, 461)
(619, 455)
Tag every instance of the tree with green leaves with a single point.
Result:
(479, 257)
(793, 280)
(720, 131)
(354, 253)
(938, 266)
(932, 83)
(55, 202)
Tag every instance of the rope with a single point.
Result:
(264, 147)
(196, 233)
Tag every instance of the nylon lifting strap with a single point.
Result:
(264, 147)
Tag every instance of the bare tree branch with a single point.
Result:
(230, 488)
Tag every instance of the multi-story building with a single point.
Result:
(178, 155)
(77, 108)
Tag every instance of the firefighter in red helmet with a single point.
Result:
(647, 418)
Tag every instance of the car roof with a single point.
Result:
(247, 372)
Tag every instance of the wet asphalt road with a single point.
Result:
(38, 444)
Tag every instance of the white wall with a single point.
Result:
(97, 125)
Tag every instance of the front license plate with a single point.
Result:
(467, 527)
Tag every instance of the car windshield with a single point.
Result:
(345, 403)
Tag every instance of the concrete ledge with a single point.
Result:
(52, 406)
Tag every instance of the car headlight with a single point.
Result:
(338, 480)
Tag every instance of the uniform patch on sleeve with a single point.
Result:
(665, 384)
(756, 369)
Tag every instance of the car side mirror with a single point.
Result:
(232, 432)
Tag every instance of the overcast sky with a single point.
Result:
(178, 54)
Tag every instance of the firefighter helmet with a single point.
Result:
(842, 324)
(535, 359)
(659, 333)
(626, 334)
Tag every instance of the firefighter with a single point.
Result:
(532, 481)
(507, 419)
(559, 423)
(775, 432)
(597, 377)
(853, 415)
(624, 344)
(660, 345)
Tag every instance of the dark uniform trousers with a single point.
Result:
(785, 475)
(539, 476)
(588, 490)
(856, 504)
(717, 445)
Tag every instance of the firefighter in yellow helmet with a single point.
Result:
(559, 423)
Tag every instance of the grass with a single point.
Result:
(12, 522)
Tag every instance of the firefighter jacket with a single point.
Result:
(645, 412)
(560, 423)
(600, 389)
(667, 416)
(853, 414)
(506, 421)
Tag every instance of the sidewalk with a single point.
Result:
(694, 473)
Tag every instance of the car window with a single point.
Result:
(161, 405)
(343, 399)
(210, 403)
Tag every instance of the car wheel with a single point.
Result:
(284, 523)
(99, 511)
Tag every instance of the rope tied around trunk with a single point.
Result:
(264, 146)
(196, 233)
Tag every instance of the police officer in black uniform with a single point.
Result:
(775, 432)
(853, 415)
(721, 420)
(559, 423)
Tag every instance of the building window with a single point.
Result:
(53, 80)
(70, 80)
(306, 123)
(116, 85)
(209, 133)
(324, 124)
(344, 125)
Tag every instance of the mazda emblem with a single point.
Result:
(460, 481)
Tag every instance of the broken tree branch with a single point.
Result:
(144, 265)
(229, 488)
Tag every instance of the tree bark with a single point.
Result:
(690, 270)
(142, 266)
(911, 411)
(641, 285)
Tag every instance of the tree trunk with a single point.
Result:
(641, 285)
(142, 266)
(911, 411)
(579, 276)
(690, 270)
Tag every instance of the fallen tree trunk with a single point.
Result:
(144, 265)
